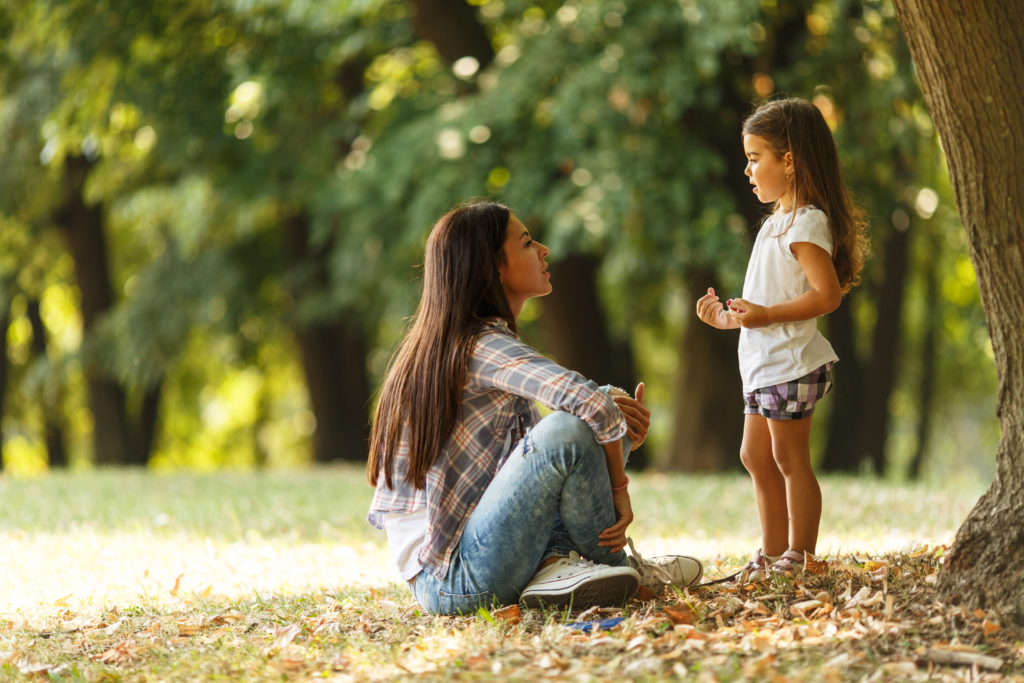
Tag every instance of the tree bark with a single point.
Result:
(970, 62)
(333, 354)
(57, 454)
(84, 229)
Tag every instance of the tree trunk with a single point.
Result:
(146, 426)
(333, 354)
(843, 450)
(574, 326)
(452, 26)
(708, 409)
(885, 348)
(57, 454)
(970, 62)
(83, 227)
(929, 355)
(575, 331)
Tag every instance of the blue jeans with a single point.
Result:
(552, 496)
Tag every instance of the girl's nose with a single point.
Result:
(544, 251)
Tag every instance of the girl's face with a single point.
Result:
(524, 273)
(770, 174)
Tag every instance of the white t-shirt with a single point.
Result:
(784, 351)
(406, 532)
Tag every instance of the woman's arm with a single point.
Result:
(500, 361)
(614, 537)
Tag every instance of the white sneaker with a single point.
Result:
(579, 584)
(667, 570)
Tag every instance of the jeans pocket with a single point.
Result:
(464, 603)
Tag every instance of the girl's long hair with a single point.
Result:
(422, 392)
(795, 125)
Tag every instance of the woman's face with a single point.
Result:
(524, 273)
(770, 174)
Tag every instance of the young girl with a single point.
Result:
(807, 255)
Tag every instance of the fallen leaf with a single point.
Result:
(510, 614)
(151, 630)
(814, 565)
(679, 614)
(283, 636)
(226, 618)
(990, 627)
(639, 641)
(644, 594)
(125, 651)
(48, 670)
(806, 605)
(177, 584)
(188, 627)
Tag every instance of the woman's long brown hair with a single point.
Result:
(422, 392)
(795, 125)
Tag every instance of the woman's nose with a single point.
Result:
(544, 251)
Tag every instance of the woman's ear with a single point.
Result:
(787, 160)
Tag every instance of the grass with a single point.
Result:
(121, 575)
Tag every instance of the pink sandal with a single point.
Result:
(796, 562)
(757, 569)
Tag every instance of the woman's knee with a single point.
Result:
(563, 428)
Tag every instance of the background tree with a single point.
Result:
(977, 109)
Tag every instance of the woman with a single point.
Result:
(483, 502)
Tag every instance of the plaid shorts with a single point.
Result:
(790, 400)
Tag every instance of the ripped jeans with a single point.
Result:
(550, 497)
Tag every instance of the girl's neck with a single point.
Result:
(787, 206)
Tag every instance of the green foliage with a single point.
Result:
(609, 127)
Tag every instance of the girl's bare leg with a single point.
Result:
(791, 449)
(769, 484)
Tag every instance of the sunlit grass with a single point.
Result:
(90, 540)
(127, 575)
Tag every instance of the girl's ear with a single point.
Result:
(787, 160)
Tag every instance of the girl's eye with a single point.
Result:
(529, 243)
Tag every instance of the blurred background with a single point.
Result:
(211, 216)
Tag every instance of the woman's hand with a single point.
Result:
(638, 417)
(709, 309)
(614, 537)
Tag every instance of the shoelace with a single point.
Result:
(648, 569)
(574, 558)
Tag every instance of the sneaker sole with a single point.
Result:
(612, 591)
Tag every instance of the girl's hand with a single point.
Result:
(638, 417)
(747, 314)
(614, 537)
(709, 309)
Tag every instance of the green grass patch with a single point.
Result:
(124, 575)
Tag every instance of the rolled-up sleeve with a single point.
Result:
(502, 362)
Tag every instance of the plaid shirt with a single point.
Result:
(505, 377)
